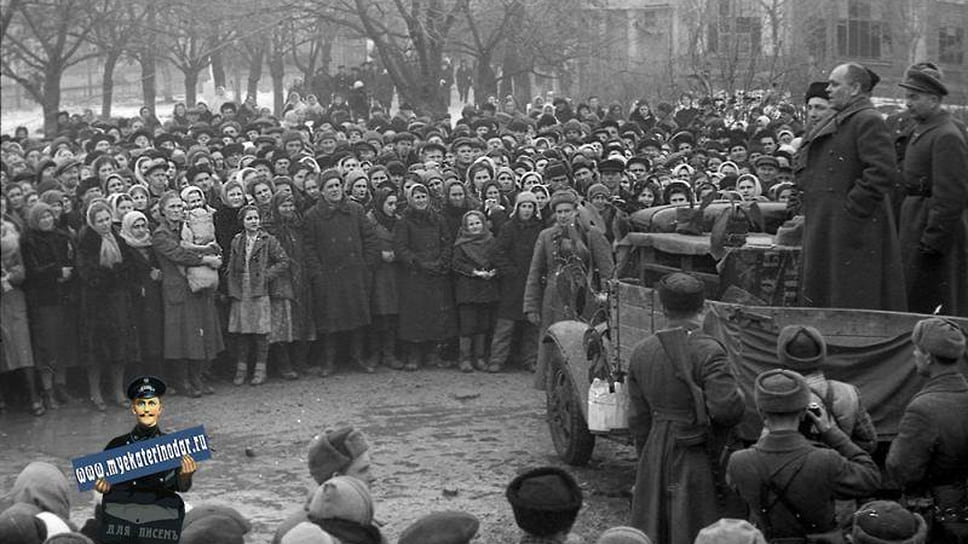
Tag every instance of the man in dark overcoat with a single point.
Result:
(681, 396)
(341, 249)
(789, 483)
(929, 456)
(934, 215)
(845, 168)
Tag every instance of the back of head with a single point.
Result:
(45, 486)
(781, 392)
(681, 294)
(545, 501)
(623, 535)
(887, 522)
(441, 528)
(939, 337)
(801, 348)
(863, 76)
(342, 497)
(730, 531)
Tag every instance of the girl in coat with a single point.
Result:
(257, 258)
(109, 339)
(476, 289)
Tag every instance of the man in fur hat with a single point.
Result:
(682, 393)
(545, 502)
(929, 456)
(790, 484)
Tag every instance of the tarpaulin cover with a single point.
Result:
(882, 370)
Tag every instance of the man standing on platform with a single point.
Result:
(934, 214)
(845, 168)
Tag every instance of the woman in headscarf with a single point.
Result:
(120, 205)
(357, 188)
(476, 290)
(456, 203)
(512, 258)
(384, 296)
(43, 490)
(48, 255)
(59, 203)
(109, 339)
(341, 249)
(424, 246)
(543, 197)
(570, 267)
(145, 288)
(193, 337)
(14, 327)
(293, 327)
(494, 205)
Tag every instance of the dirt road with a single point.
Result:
(440, 440)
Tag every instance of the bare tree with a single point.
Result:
(42, 40)
(113, 34)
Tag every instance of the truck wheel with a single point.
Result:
(569, 431)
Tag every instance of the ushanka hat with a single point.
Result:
(781, 391)
(681, 292)
(332, 451)
(545, 501)
(887, 522)
(940, 337)
(441, 528)
(801, 348)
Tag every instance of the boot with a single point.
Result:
(356, 352)
(117, 385)
(50, 400)
(261, 357)
(414, 350)
(480, 352)
(241, 371)
(375, 342)
(94, 388)
(280, 359)
(329, 355)
(36, 404)
(432, 356)
(466, 355)
(387, 356)
(299, 358)
(194, 378)
(205, 374)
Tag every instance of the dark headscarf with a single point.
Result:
(380, 197)
(476, 246)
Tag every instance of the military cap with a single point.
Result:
(65, 165)
(801, 348)
(611, 165)
(781, 391)
(924, 77)
(404, 137)
(939, 336)
(766, 160)
(146, 387)
(681, 292)
(441, 528)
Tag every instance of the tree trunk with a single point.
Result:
(486, 84)
(255, 74)
(107, 84)
(51, 102)
(277, 69)
(218, 69)
(149, 79)
(191, 86)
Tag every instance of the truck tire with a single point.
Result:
(566, 421)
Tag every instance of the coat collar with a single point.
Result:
(933, 122)
(829, 126)
(951, 382)
(782, 442)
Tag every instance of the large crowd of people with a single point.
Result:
(235, 241)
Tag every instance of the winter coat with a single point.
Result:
(424, 247)
(14, 328)
(930, 451)
(341, 250)
(845, 169)
(146, 299)
(934, 216)
(512, 258)
(469, 289)
(44, 254)
(267, 262)
(675, 490)
(384, 296)
(841, 471)
(294, 282)
(108, 329)
(558, 294)
(192, 329)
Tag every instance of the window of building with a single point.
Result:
(951, 45)
(736, 30)
(861, 33)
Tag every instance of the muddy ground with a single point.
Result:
(440, 440)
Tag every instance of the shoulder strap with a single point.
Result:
(674, 342)
(768, 484)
